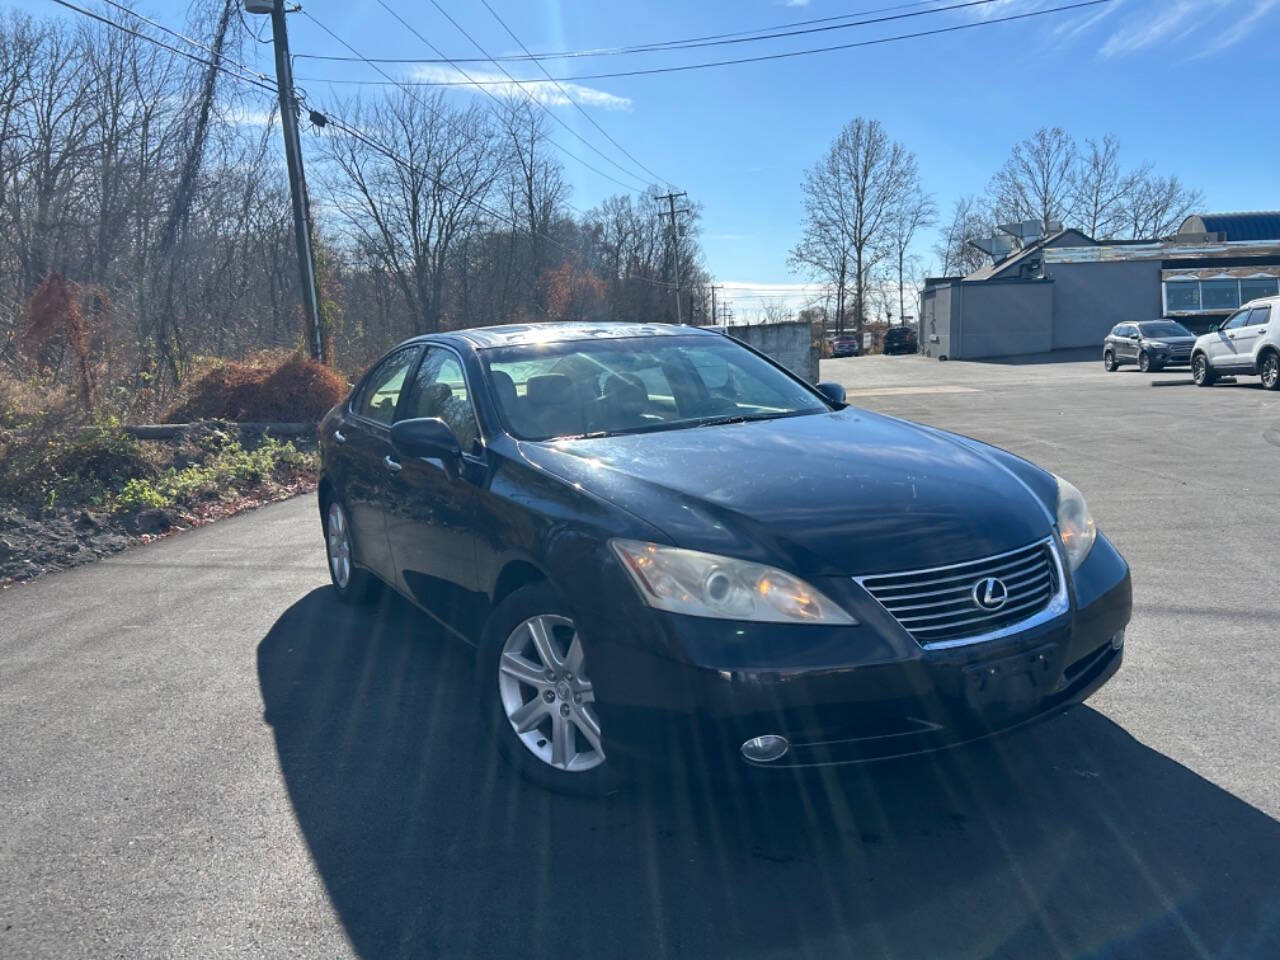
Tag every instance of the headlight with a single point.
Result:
(1075, 523)
(705, 585)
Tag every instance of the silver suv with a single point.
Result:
(1246, 342)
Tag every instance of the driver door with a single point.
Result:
(1223, 351)
(431, 525)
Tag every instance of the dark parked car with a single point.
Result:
(1151, 344)
(665, 545)
(845, 347)
(900, 339)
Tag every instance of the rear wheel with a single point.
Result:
(1201, 372)
(1109, 361)
(353, 584)
(1271, 370)
(533, 671)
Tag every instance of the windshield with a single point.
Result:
(632, 385)
(1164, 328)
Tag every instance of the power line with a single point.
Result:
(528, 96)
(953, 28)
(578, 106)
(186, 39)
(255, 79)
(329, 120)
(759, 33)
(407, 86)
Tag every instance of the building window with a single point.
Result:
(1256, 287)
(1181, 295)
(1219, 294)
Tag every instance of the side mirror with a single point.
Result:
(427, 438)
(1135, 336)
(832, 391)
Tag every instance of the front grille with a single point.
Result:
(938, 605)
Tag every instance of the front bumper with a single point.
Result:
(845, 694)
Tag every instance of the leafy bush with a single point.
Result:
(222, 473)
(296, 390)
(55, 462)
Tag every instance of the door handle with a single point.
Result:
(393, 465)
(1231, 336)
(339, 437)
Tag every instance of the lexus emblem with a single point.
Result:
(990, 593)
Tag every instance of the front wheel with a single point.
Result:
(1109, 362)
(1201, 372)
(533, 672)
(1144, 362)
(1271, 371)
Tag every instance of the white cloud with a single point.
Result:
(248, 116)
(1240, 29)
(796, 3)
(543, 91)
(1147, 30)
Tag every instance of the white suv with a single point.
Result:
(1247, 342)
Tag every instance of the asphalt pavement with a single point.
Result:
(204, 754)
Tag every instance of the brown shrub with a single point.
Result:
(295, 391)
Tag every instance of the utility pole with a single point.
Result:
(713, 304)
(675, 245)
(293, 159)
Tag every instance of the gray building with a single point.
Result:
(1066, 290)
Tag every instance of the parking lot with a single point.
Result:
(207, 755)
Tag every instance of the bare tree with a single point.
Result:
(913, 212)
(849, 196)
(1099, 188)
(407, 213)
(954, 250)
(1037, 181)
(1154, 206)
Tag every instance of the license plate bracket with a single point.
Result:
(1013, 683)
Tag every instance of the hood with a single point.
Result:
(848, 492)
(1172, 340)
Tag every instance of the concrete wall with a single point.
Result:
(1091, 298)
(791, 344)
(1005, 318)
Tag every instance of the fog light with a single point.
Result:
(1117, 640)
(765, 749)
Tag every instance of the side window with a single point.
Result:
(1236, 321)
(381, 391)
(1259, 316)
(440, 390)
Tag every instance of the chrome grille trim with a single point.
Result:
(1034, 575)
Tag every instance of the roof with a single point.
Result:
(1259, 225)
(520, 334)
(992, 270)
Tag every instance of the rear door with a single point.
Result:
(366, 451)
(1127, 343)
(431, 526)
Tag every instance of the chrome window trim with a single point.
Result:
(1058, 605)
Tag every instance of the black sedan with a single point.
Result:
(1151, 344)
(665, 546)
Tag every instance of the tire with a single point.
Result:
(1144, 362)
(1269, 369)
(1201, 372)
(532, 670)
(1109, 361)
(353, 585)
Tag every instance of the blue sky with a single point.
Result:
(1187, 84)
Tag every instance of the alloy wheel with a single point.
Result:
(1271, 371)
(546, 695)
(338, 545)
(1199, 370)
(1144, 362)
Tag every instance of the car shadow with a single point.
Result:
(1068, 839)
